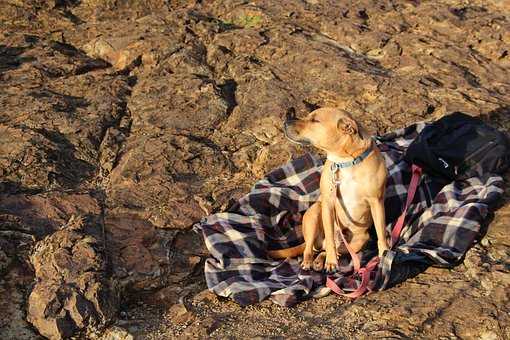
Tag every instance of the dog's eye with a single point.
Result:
(313, 120)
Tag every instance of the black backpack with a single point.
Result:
(456, 146)
(459, 146)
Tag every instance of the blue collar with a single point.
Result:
(341, 165)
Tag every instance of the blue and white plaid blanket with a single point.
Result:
(441, 225)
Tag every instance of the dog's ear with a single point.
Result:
(347, 125)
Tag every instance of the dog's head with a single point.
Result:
(323, 128)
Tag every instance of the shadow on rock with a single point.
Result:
(69, 170)
(10, 57)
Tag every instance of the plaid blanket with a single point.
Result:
(441, 225)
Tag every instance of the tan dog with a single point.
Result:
(355, 194)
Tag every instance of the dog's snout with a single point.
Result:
(291, 114)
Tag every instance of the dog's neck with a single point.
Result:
(351, 147)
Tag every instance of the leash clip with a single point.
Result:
(334, 169)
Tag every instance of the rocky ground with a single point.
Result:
(123, 122)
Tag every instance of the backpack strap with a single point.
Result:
(366, 271)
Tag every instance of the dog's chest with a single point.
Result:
(350, 194)
(349, 190)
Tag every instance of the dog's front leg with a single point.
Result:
(328, 222)
(311, 230)
(379, 218)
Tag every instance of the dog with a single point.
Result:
(352, 187)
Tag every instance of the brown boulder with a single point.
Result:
(146, 257)
(73, 291)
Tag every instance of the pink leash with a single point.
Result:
(374, 262)
(415, 180)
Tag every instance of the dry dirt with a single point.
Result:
(123, 122)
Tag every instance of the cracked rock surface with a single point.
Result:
(122, 123)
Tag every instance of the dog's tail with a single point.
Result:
(288, 252)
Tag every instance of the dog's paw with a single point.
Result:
(331, 267)
(331, 264)
(306, 264)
